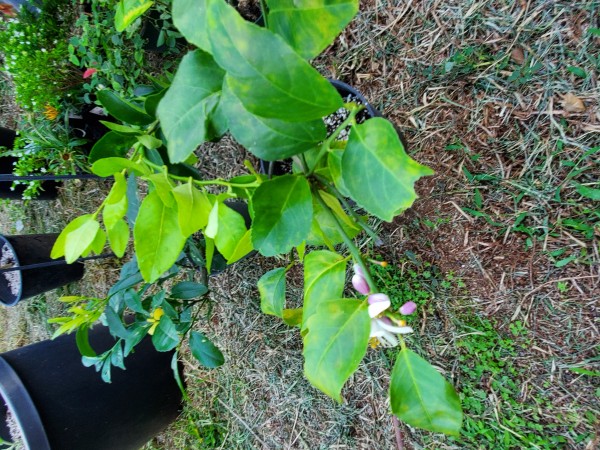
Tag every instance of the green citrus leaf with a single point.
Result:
(193, 207)
(230, 230)
(421, 397)
(129, 10)
(188, 290)
(157, 237)
(310, 25)
(116, 203)
(272, 292)
(205, 351)
(324, 279)
(123, 110)
(265, 74)
(163, 186)
(283, 213)
(107, 167)
(111, 144)
(165, 337)
(242, 248)
(58, 248)
(118, 237)
(270, 139)
(336, 343)
(324, 229)
(376, 170)
(81, 234)
(292, 317)
(189, 16)
(186, 108)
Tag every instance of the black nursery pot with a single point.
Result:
(28, 250)
(346, 91)
(7, 139)
(60, 404)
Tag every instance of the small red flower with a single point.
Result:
(89, 72)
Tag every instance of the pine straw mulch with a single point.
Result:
(464, 121)
(396, 54)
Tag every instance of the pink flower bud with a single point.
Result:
(358, 270)
(89, 72)
(360, 284)
(408, 308)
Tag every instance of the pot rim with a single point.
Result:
(4, 241)
(19, 402)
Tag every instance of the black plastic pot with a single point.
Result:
(28, 250)
(345, 90)
(60, 404)
(7, 139)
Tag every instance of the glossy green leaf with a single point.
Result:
(283, 213)
(186, 108)
(97, 244)
(338, 334)
(205, 351)
(227, 227)
(75, 238)
(165, 337)
(111, 144)
(193, 208)
(242, 248)
(324, 279)
(265, 74)
(121, 129)
(116, 204)
(107, 167)
(58, 249)
(325, 224)
(188, 290)
(309, 26)
(118, 237)
(421, 397)
(123, 110)
(163, 186)
(151, 102)
(271, 287)
(270, 139)
(149, 141)
(292, 317)
(83, 343)
(376, 170)
(334, 163)
(189, 16)
(157, 237)
(129, 10)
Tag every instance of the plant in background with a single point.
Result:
(35, 54)
(273, 102)
(42, 148)
(117, 58)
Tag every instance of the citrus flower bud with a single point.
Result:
(408, 308)
(360, 284)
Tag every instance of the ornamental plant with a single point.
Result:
(256, 84)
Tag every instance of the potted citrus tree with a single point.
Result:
(257, 84)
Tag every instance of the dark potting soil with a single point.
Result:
(7, 260)
(335, 119)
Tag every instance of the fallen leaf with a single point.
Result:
(572, 103)
(517, 55)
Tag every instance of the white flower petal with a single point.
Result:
(393, 329)
(377, 308)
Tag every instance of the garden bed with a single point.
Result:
(504, 271)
